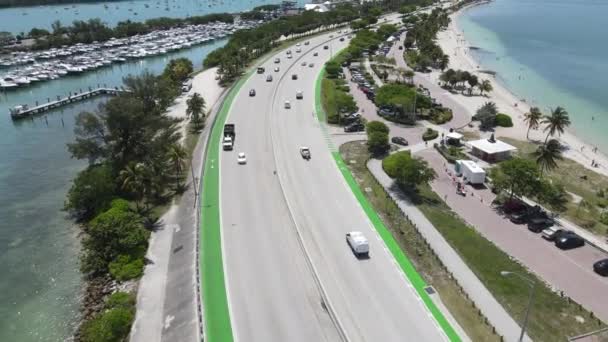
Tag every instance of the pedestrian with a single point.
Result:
(593, 162)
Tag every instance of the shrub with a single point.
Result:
(126, 267)
(91, 192)
(110, 326)
(430, 134)
(441, 116)
(376, 126)
(377, 142)
(120, 300)
(503, 120)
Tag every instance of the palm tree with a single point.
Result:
(547, 155)
(134, 180)
(557, 122)
(444, 61)
(196, 109)
(177, 157)
(533, 119)
(485, 86)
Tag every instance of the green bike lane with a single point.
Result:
(404, 263)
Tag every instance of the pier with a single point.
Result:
(24, 111)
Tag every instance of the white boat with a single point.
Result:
(7, 83)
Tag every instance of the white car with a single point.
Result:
(358, 243)
(288, 56)
(277, 60)
(276, 69)
(287, 105)
(241, 159)
(298, 44)
(303, 63)
(298, 50)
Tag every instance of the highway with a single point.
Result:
(283, 221)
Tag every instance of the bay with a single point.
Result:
(550, 52)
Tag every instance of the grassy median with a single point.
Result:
(427, 264)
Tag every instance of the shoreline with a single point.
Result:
(454, 44)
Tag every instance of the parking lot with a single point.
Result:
(569, 271)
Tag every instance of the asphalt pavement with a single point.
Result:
(283, 233)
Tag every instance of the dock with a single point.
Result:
(25, 111)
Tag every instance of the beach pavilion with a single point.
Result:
(491, 150)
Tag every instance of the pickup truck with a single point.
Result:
(229, 136)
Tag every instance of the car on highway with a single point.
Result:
(241, 158)
(400, 47)
(538, 224)
(305, 152)
(354, 127)
(261, 70)
(298, 50)
(276, 69)
(306, 42)
(341, 39)
(252, 92)
(287, 105)
(552, 233)
(315, 54)
(294, 76)
(288, 56)
(298, 44)
(299, 95)
(310, 65)
(331, 36)
(399, 141)
(569, 240)
(277, 60)
(303, 64)
(325, 47)
(269, 78)
(601, 267)
(358, 243)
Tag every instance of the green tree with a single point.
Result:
(178, 70)
(473, 81)
(134, 180)
(333, 69)
(444, 61)
(485, 86)
(554, 195)
(377, 143)
(376, 126)
(556, 122)
(547, 155)
(109, 326)
(487, 115)
(196, 110)
(520, 177)
(532, 119)
(409, 172)
(91, 192)
(177, 157)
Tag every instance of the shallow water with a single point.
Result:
(550, 52)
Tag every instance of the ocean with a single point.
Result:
(40, 286)
(549, 52)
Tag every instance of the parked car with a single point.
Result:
(252, 92)
(538, 224)
(261, 70)
(601, 267)
(553, 233)
(569, 241)
(519, 217)
(354, 127)
(399, 141)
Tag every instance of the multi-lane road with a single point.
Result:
(289, 274)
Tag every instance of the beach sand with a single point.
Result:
(453, 43)
(203, 83)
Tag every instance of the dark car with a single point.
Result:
(354, 127)
(569, 241)
(519, 217)
(601, 267)
(252, 92)
(399, 141)
(261, 70)
(325, 47)
(538, 224)
(514, 206)
(400, 47)
(294, 77)
(342, 39)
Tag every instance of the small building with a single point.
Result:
(491, 150)
(316, 7)
(453, 138)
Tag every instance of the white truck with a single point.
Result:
(358, 243)
(470, 171)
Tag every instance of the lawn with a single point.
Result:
(427, 264)
(577, 180)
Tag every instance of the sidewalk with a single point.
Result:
(369, 69)
(496, 314)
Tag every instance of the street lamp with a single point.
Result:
(532, 285)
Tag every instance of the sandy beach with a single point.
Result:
(453, 43)
(203, 83)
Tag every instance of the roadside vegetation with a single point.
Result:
(136, 165)
(427, 264)
(245, 46)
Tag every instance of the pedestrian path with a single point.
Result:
(496, 314)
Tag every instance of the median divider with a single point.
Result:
(404, 263)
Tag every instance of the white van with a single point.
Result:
(358, 243)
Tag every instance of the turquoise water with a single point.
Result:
(550, 52)
(40, 286)
(23, 19)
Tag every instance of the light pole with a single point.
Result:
(532, 285)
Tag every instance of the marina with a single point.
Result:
(26, 68)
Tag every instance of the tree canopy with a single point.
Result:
(408, 171)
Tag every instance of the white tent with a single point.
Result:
(471, 172)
